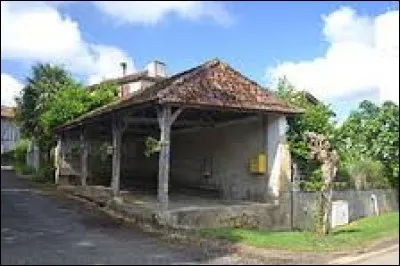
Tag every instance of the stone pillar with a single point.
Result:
(279, 168)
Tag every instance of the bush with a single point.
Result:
(342, 174)
(23, 169)
(20, 150)
(367, 173)
(311, 186)
(313, 183)
(7, 158)
(45, 174)
(341, 185)
(316, 175)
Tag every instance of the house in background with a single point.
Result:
(10, 132)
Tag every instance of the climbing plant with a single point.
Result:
(321, 150)
(152, 145)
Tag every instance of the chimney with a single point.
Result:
(156, 69)
(123, 65)
(124, 89)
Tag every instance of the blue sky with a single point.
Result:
(328, 48)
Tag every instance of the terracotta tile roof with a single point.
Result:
(213, 84)
(8, 112)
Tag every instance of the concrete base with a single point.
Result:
(187, 212)
(255, 215)
(191, 211)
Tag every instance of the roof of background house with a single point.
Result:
(212, 84)
(8, 112)
(311, 98)
(142, 75)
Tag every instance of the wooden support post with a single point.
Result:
(165, 119)
(59, 157)
(57, 160)
(84, 158)
(116, 161)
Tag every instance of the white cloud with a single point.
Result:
(107, 63)
(38, 32)
(363, 54)
(10, 88)
(152, 12)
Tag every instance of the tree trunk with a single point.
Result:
(327, 204)
(328, 173)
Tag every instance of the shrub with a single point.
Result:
(316, 175)
(45, 174)
(342, 174)
(308, 186)
(23, 169)
(311, 186)
(20, 150)
(7, 158)
(368, 173)
(341, 185)
(314, 183)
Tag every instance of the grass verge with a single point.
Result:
(355, 235)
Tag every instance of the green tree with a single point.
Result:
(371, 133)
(52, 97)
(43, 84)
(104, 93)
(74, 101)
(317, 117)
(68, 105)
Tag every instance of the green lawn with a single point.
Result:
(354, 235)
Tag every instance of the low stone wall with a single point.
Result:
(97, 194)
(102, 196)
(359, 202)
(281, 216)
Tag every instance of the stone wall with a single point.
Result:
(218, 158)
(304, 204)
(135, 166)
(70, 161)
(99, 163)
(10, 134)
(277, 217)
(33, 155)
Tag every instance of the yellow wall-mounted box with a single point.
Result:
(258, 164)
